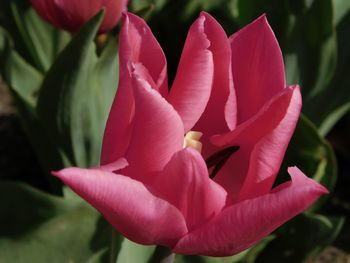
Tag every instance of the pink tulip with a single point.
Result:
(154, 184)
(72, 14)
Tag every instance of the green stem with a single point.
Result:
(114, 246)
(162, 255)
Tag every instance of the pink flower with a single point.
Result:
(72, 14)
(230, 100)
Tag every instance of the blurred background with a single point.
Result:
(42, 221)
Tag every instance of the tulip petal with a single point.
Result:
(257, 67)
(128, 205)
(145, 50)
(120, 120)
(220, 113)
(263, 140)
(192, 85)
(114, 10)
(137, 49)
(71, 15)
(185, 183)
(77, 13)
(48, 11)
(157, 133)
(115, 166)
(243, 224)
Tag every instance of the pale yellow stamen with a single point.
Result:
(192, 140)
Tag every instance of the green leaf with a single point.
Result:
(332, 118)
(42, 41)
(86, 92)
(311, 153)
(24, 81)
(137, 5)
(64, 87)
(341, 8)
(329, 106)
(302, 238)
(22, 78)
(132, 252)
(19, 74)
(311, 50)
(253, 253)
(34, 226)
(145, 12)
(95, 105)
(99, 257)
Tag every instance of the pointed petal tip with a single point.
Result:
(263, 16)
(200, 24)
(194, 77)
(245, 223)
(124, 19)
(122, 200)
(56, 173)
(293, 87)
(73, 175)
(131, 16)
(204, 14)
(263, 22)
(64, 174)
(262, 19)
(208, 18)
(299, 177)
(127, 16)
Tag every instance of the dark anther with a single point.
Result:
(218, 159)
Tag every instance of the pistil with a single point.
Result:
(192, 140)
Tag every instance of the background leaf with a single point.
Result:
(328, 107)
(313, 41)
(63, 87)
(35, 225)
(100, 88)
(311, 153)
(132, 252)
(24, 81)
(21, 76)
(301, 238)
(37, 41)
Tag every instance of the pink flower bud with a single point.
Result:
(72, 14)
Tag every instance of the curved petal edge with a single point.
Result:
(243, 224)
(128, 205)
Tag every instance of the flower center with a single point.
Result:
(215, 161)
(192, 140)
